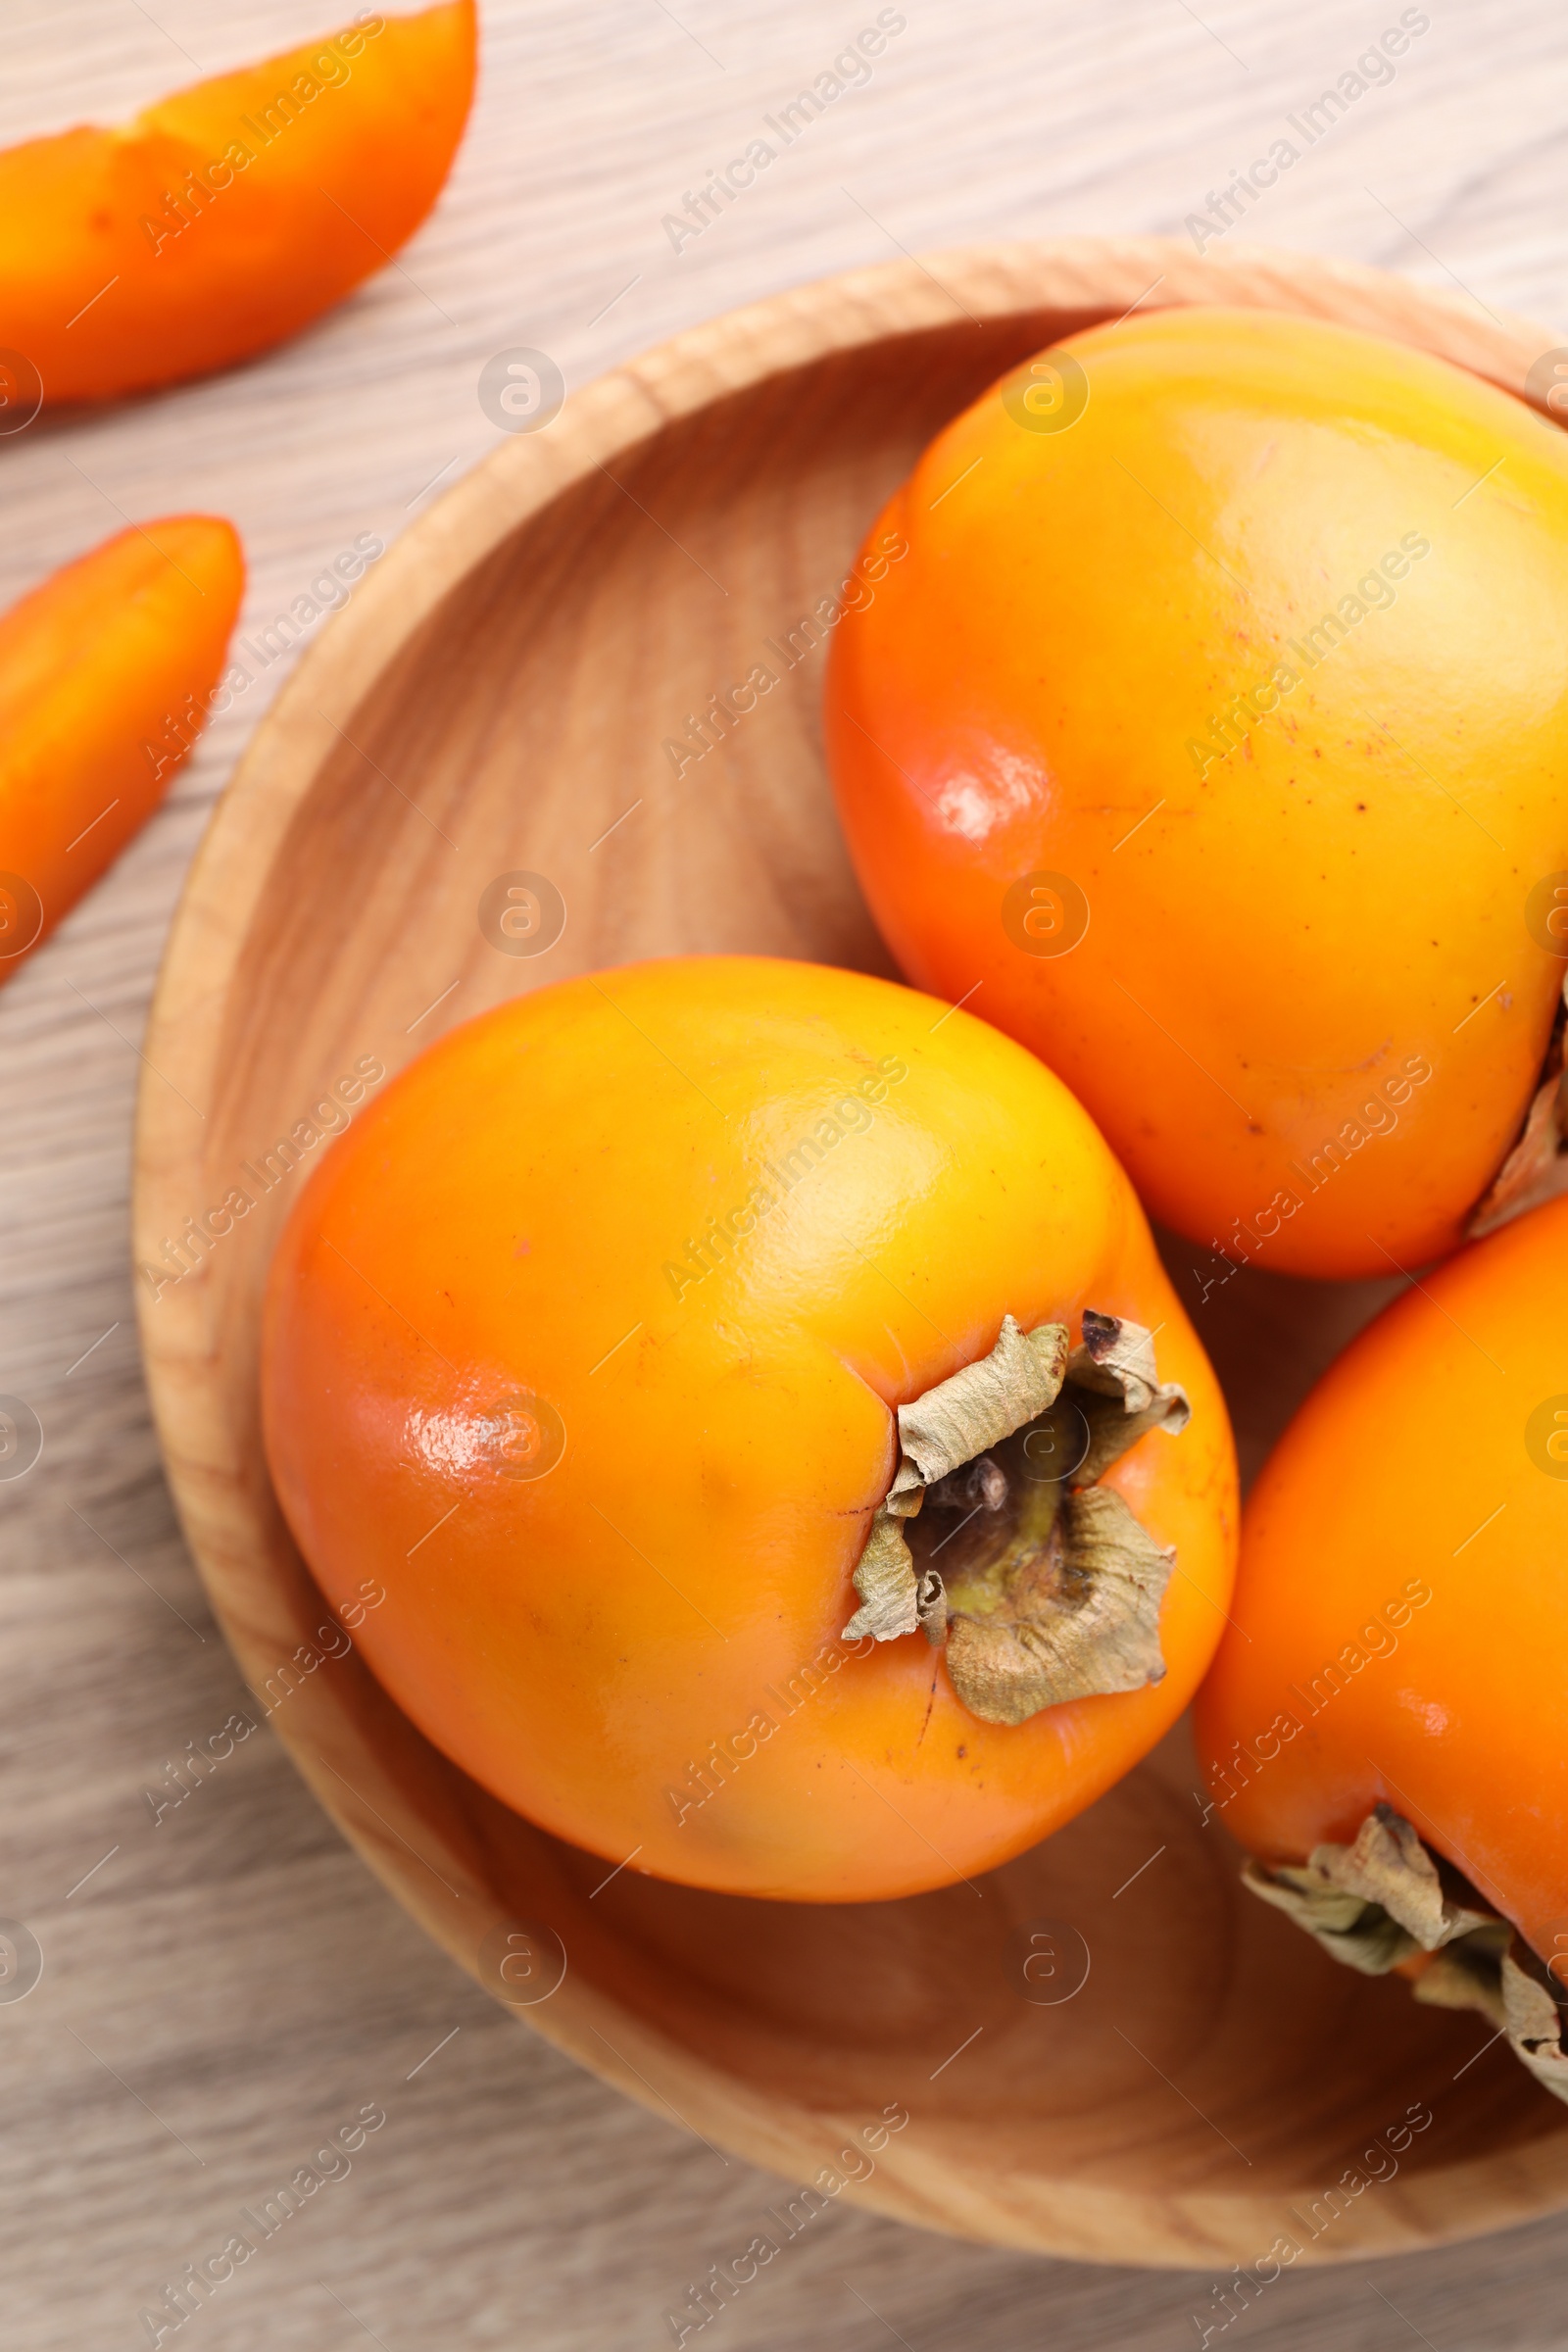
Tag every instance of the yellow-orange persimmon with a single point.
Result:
(228, 215)
(586, 1341)
(1215, 733)
(1400, 1621)
(106, 677)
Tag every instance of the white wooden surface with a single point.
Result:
(228, 1985)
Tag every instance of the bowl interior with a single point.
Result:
(1202, 2087)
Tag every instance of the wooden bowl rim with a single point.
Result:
(608, 418)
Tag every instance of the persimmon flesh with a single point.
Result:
(587, 1339)
(107, 672)
(228, 215)
(1215, 733)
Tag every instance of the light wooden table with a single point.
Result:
(225, 1986)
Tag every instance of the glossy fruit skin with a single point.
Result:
(145, 254)
(518, 1212)
(1431, 1460)
(1279, 940)
(106, 675)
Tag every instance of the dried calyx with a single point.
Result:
(1537, 1169)
(995, 1538)
(1385, 1902)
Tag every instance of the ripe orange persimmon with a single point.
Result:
(1214, 732)
(228, 215)
(587, 1340)
(1399, 1635)
(106, 677)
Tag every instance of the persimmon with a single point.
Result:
(107, 674)
(228, 215)
(626, 1336)
(1383, 1724)
(1215, 733)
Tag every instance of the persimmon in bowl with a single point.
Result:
(664, 1334)
(1213, 728)
(1155, 2068)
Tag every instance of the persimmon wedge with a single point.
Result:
(740, 1375)
(229, 215)
(107, 672)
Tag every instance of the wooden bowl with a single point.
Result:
(496, 699)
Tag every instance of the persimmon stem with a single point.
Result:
(1536, 1169)
(1045, 1587)
(1385, 1902)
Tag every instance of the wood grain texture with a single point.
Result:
(234, 1967)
